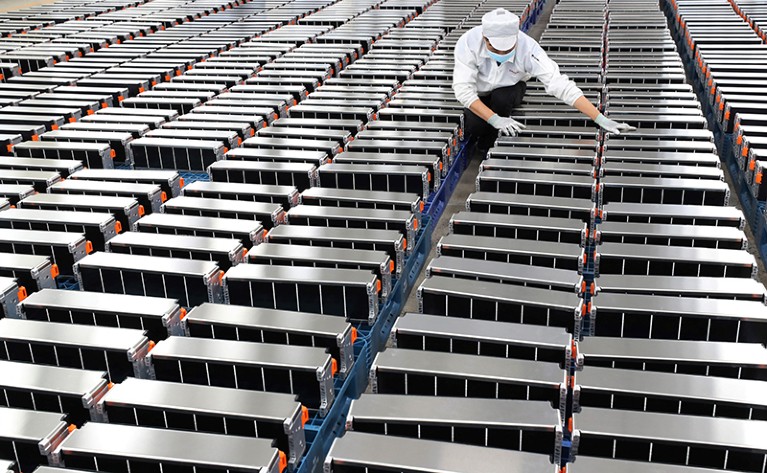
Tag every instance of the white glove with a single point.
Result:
(506, 125)
(611, 126)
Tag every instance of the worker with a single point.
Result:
(492, 63)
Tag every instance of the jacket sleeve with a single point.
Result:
(556, 83)
(465, 74)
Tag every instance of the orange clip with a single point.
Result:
(354, 335)
(9, 147)
(140, 89)
(37, 138)
(333, 366)
(304, 415)
(378, 285)
(151, 346)
(740, 139)
(89, 112)
(428, 176)
(182, 315)
(422, 205)
(727, 115)
(181, 182)
(112, 153)
(391, 266)
(72, 119)
(758, 178)
(88, 247)
(120, 98)
(71, 428)
(283, 461)
(163, 196)
(744, 152)
(141, 211)
(22, 293)
(118, 227)
(55, 270)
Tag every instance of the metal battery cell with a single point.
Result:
(181, 105)
(28, 132)
(170, 153)
(730, 444)
(385, 178)
(40, 180)
(669, 158)
(64, 167)
(627, 143)
(676, 318)
(278, 155)
(350, 126)
(270, 215)
(228, 138)
(671, 393)
(228, 114)
(349, 293)
(118, 351)
(591, 464)
(482, 337)
(530, 205)
(661, 171)
(672, 235)
(13, 193)
(169, 181)
(536, 183)
(673, 214)
(542, 167)
(298, 175)
(663, 191)
(49, 122)
(70, 114)
(371, 219)
(191, 282)
(532, 253)
(555, 155)
(72, 392)
(684, 286)
(98, 228)
(286, 196)
(149, 196)
(351, 198)
(715, 359)
(33, 272)
(495, 301)
(119, 142)
(427, 373)
(519, 226)
(224, 252)
(521, 274)
(249, 233)
(390, 241)
(646, 260)
(306, 372)
(93, 155)
(433, 163)
(126, 210)
(341, 137)
(107, 447)
(64, 249)
(496, 423)
(253, 324)
(377, 262)
(131, 120)
(357, 451)
(242, 413)
(10, 295)
(262, 142)
(28, 437)
(158, 317)
(242, 130)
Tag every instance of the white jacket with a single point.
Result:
(476, 73)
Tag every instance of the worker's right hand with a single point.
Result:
(506, 125)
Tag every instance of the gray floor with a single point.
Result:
(467, 184)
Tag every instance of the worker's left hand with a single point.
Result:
(506, 125)
(611, 126)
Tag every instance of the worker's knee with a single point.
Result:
(506, 99)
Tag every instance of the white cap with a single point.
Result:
(501, 28)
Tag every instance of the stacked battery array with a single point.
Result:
(727, 67)
(669, 368)
(235, 189)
